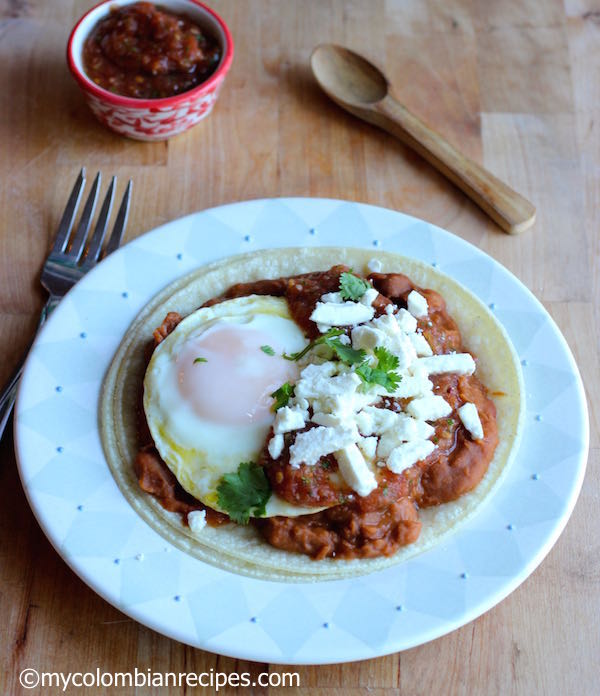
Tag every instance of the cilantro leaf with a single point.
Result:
(317, 342)
(345, 353)
(282, 396)
(373, 375)
(244, 492)
(385, 360)
(268, 350)
(200, 360)
(352, 287)
(384, 373)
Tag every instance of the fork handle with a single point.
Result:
(9, 391)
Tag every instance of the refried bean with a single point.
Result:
(386, 519)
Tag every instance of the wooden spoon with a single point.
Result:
(363, 90)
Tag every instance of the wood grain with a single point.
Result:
(515, 85)
(359, 87)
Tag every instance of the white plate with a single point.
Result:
(89, 522)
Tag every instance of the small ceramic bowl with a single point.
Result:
(152, 119)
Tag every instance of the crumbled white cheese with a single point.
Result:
(313, 444)
(401, 346)
(390, 308)
(374, 265)
(408, 454)
(335, 297)
(470, 419)
(312, 371)
(386, 323)
(420, 344)
(275, 446)
(301, 403)
(355, 471)
(406, 429)
(347, 405)
(369, 297)
(381, 419)
(197, 521)
(413, 385)
(332, 420)
(318, 380)
(367, 337)
(429, 408)
(417, 304)
(368, 446)
(396, 341)
(415, 382)
(364, 422)
(341, 314)
(406, 321)
(288, 419)
(462, 363)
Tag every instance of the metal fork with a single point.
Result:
(70, 259)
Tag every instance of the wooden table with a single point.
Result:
(515, 85)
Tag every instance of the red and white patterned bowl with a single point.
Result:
(152, 119)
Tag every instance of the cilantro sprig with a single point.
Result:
(384, 373)
(352, 287)
(345, 353)
(244, 492)
(282, 396)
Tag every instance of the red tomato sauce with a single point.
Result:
(144, 52)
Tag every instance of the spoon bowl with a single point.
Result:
(362, 89)
(346, 76)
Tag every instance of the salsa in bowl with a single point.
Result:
(150, 71)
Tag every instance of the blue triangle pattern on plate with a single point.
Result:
(301, 620)
(344, 226)
(545, 384)
(475, 274)
(83, 538)
(212, 240)
(213, 617)
(47, 418)
(522, 326)
(558, 447)
(277, 225)
(528, 502)
(435, 592)
(498, 553)
(413, 240)
(83, 360)
(312, 216)
(150, 578)
(70, 477)
(361, 607)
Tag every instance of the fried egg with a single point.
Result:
(208, 386)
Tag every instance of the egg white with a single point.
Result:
(199, 451)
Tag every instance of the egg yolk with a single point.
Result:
(234, 380)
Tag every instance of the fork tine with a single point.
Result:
(78, 241)
(97, 238)
(120, 222)
(66, 222)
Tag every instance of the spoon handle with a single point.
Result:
(506, 207)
